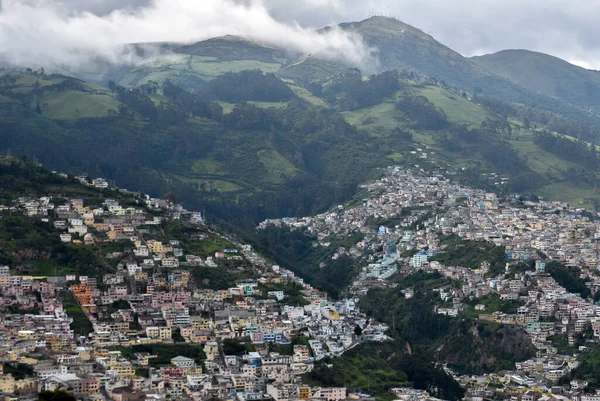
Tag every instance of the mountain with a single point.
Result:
(261, 158)
(546, 74)
(403, 46)
(398, 46)
(193, 65)
(250, 131)
(247, 132)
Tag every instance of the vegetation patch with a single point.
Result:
(81, 325)
(165, 352)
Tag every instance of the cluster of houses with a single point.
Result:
(100, 336)
(256, 339)
(402, 220)
(108, 221)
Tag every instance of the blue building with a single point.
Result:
(540, 266)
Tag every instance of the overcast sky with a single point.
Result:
(566, 29)
(64, 29)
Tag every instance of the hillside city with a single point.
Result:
(149, 331)
(324, 202)
(242, 342)
(542, 231)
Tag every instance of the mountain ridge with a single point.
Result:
(546, 74)
(300, 124)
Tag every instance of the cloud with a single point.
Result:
(37, 32)
(67, 32)
(475, 27)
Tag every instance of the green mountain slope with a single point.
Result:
(403, 46)
(301, 135)
(545, 74)
(248, 163)
(259, 159)
(398, 45)
(192, 65)
(30, 245)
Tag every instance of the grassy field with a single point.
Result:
(277, 166)
(208, 166)
(73, 105)
(81, 324)
(269, 105)
(50, 268)
(208, 246)
(305, 94)
(568, 192)
(27, 81)
(538, 159)
(375, 118)
(212, 69)
(205, 68)
(396, 157)
(458, 109)
(544, 163)
(220, 185)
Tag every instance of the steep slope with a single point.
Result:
(403, 46)
(30, 241)
(400, 45)
(192, 65)
(301, 136)
(249, 163)
(461, 343)
(545, 74)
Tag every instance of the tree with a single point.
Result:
(176, 336)
(56, 395)
(171, 198)
(112, 86)
(38, 108)
(358, 331)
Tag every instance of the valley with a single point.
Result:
(486, 285)
(414, 263)
(419, 225)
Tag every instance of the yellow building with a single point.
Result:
(212, 350)
(202, 325)
(7, 384)
(26, 384)
(84, 353)
(162, 333)
(304, 392)
(26, 335)
(122, 368)
(58, 343)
